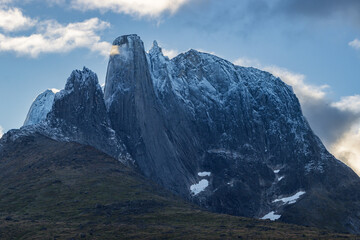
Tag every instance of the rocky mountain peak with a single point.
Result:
(77, 114)
(78, 79)
(156, 50)
(40, 107)
(127, 40)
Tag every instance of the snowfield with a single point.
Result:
(199, 187)
(271, 216)
(290, 200)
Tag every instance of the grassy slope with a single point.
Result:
(51, 190)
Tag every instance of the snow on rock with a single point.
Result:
(40, 107)
(204, 174)
(277, 171)
(271, 216)
(290, 200)
(199, 187)
(280, 178)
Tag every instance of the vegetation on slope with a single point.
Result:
(52, 190)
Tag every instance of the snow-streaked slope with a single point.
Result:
(291, 199)
(271, 216)
(40, 107)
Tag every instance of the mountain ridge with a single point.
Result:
(175, 119)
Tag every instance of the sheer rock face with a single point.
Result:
(80, 112)
(137, 116)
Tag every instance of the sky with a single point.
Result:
(313, 46)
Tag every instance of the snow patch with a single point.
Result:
(290, 200)
(271, 216)
(204, 174)
(199, 187)
(280, 178)
(276, 171)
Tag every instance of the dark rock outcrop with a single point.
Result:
(78, 114)
(137, 117)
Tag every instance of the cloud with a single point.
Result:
(139, 8)
(347, 149)
(53, 37)
(336, 123)
(355, 44)
(12, 19)
(247, 62)
(171, 53)
(1, 131)
(350, 103)
(306, 92)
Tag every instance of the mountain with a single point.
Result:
(239, 135)
(40, 107)
(57, 190)
(79, 114)
(231, 139)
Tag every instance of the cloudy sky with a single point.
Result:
(312, 45)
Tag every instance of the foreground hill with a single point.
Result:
(54, 190)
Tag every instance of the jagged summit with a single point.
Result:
(126, 39)
(79, 78)
(155, 44)
(155, 49)
(78, 113)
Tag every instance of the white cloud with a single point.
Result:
(350, 103)
(347, 148)
(247, 62)
(52, 37)
(1, 131)
(305, 91)
(140, 8)
(12, 19)
(171, 53)
(355, 43)
(336, 123)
